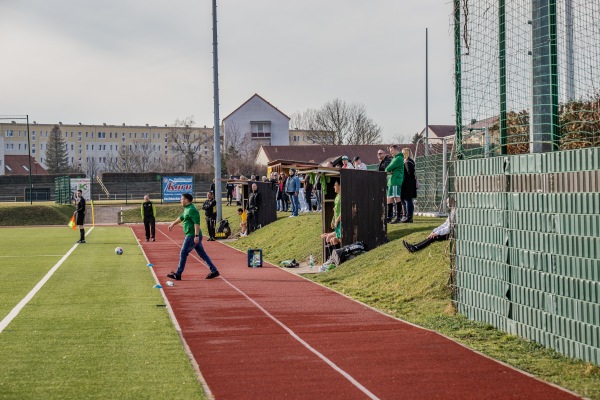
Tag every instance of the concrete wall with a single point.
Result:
(527, 247)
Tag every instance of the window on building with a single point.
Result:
(9, 133)
(260, 129)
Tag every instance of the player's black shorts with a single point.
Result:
(80, 218)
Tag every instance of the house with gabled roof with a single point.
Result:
(259, 121)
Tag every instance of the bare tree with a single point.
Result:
(139, 156)
(93, 167)
(338, 122)
(401, 139)
(183, 142)
(239, 150)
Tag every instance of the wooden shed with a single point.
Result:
(267, 212)
(364, 205)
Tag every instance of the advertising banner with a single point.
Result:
(83, 184)
(174, 186)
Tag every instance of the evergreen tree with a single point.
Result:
(57, 157)
(416, 138)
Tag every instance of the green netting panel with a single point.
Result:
(527, 70)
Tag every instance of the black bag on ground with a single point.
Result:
(347, 252)
(223, 231)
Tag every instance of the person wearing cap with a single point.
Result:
(292, 188)
(346, 164)
(358, 164)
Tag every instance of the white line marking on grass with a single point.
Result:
(15, 311)
(38, 255)
(346, 375)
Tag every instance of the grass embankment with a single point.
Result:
(19, 214)
(409, 286)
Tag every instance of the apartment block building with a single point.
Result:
(97, 147)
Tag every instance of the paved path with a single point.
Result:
(265, 333)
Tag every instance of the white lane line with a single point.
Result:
(293, 334)
(15, 311)
(186, 347)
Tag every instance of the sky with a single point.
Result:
(151, 62)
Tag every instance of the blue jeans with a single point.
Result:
(295, 204)
(410, 207)
(187, 247)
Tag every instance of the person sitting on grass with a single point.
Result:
(244, 224)
(438, 234)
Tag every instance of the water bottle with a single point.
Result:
(311, 261)
(255, 260)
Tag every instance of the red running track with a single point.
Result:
(265, 333)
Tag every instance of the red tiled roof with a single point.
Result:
(320, 153)
(19, 165)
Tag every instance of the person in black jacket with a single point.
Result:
(253, 206)
(409, 186)
(148, 212)
(210, 212)
(80, 216)
(229, 186)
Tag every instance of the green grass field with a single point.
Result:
(96, 330)
(409, 286)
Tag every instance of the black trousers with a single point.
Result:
(252, 220)
(427, 242)
(210, 223)
(149, 226)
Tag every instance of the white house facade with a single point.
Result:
(260, 121)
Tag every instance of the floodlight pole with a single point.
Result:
(426, 93)
(217, 194)
(29, 153)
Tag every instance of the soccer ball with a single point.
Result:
(118, 251)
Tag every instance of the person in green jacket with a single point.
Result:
(193, 238)
(395, 177)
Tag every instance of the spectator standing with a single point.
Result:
(148, 212)
(80, 215)
(210, 212)
(308, 190)
(302, 196)
(212, 186)
(358, 164)
(281, 203)
(292, 187)
(396, 171)
(229, 187)
(253, 207)
(409, 186)
(317, 191)
(384, 160)
(193, 238)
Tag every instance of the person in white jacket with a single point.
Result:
(440, 233)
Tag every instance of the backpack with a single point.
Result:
(223, 231)
(347, 252)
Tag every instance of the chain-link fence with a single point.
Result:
(433, 160)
